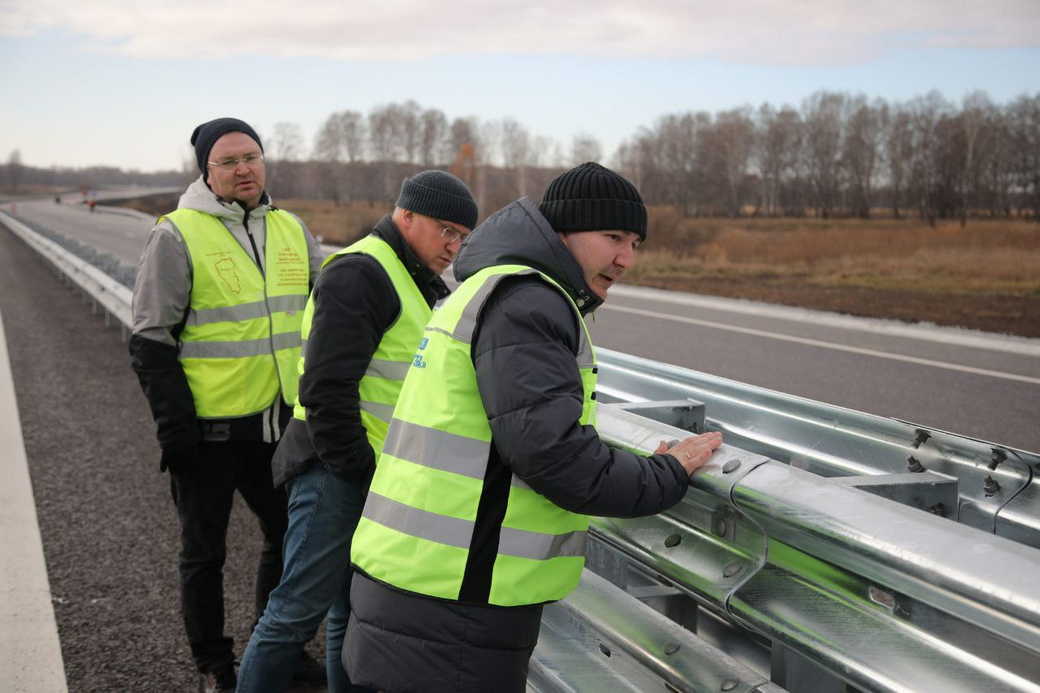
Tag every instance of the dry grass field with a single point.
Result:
(336, 224)
(985, 275)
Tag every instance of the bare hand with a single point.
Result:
(693, 452)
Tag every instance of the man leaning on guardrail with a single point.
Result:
(217, 309)
(478, 509)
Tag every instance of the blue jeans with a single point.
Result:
(324, 510)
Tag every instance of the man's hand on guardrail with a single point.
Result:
(693, 452)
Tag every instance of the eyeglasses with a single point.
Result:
(451, 235)
(251, 160)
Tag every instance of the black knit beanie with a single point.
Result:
(207, 134)
(441, 195)
(591, 197)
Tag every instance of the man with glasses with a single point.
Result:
(217, 305)
(361, 328)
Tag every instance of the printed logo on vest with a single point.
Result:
(419, 361)
(228, 273)
(291, 269)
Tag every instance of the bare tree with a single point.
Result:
(463, 132)
(540, 153)
(777, 148)
(975, 114)
(384, 133)
(287, 142)
(409, 127)
(926, 115)
(490, 151)
(822, 115)
(285, 147)
(1024, 118)
(997, 174)
(899, 155)
(328, 143)
(585, 147)
(861, 151)
(734, 134)
(516, 146)
(434, 128)
(14, 169)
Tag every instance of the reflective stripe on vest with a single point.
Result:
(381, 384)
(417, 526)
(241, 339)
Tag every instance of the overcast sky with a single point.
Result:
(124, 83)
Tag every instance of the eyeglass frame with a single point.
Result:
(230, 164)
(450, 234)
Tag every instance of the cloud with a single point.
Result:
(760, 32)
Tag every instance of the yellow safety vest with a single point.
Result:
(418, 521)
(381, 384)
(241, 340)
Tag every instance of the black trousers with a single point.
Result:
(203, 497)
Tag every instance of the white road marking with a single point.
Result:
(826, 345)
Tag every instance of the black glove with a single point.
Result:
(179, 459)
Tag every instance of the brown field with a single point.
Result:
(334, 224)
(985, 276)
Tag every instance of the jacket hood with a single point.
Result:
(199, 197)
(519, 234)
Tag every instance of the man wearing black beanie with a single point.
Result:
(479, 506)
(362, 325)
(217, 305)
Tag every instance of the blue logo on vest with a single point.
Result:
(419, 361)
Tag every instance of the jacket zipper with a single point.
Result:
(270, 322)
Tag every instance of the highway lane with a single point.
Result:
(977, 384)
(122, 234)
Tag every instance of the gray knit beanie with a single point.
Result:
(441, 195)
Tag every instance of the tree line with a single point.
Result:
(840, 154)
(837, 154)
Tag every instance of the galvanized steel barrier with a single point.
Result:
(822, 549)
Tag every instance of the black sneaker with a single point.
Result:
(223, 680)
(309, 671)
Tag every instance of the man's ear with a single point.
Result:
(407, 218)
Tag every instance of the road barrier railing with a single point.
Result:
(105, 293)
(995, 487)
(822, 549)
(878, 594)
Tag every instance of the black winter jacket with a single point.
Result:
(354, 305)
(524, 353)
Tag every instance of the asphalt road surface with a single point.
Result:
(976, 384)
(118, 231)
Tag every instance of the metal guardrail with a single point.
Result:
(877, 594)
(106, 293)
(996, 488)
(787, 564)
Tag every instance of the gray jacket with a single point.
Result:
(161, 299)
